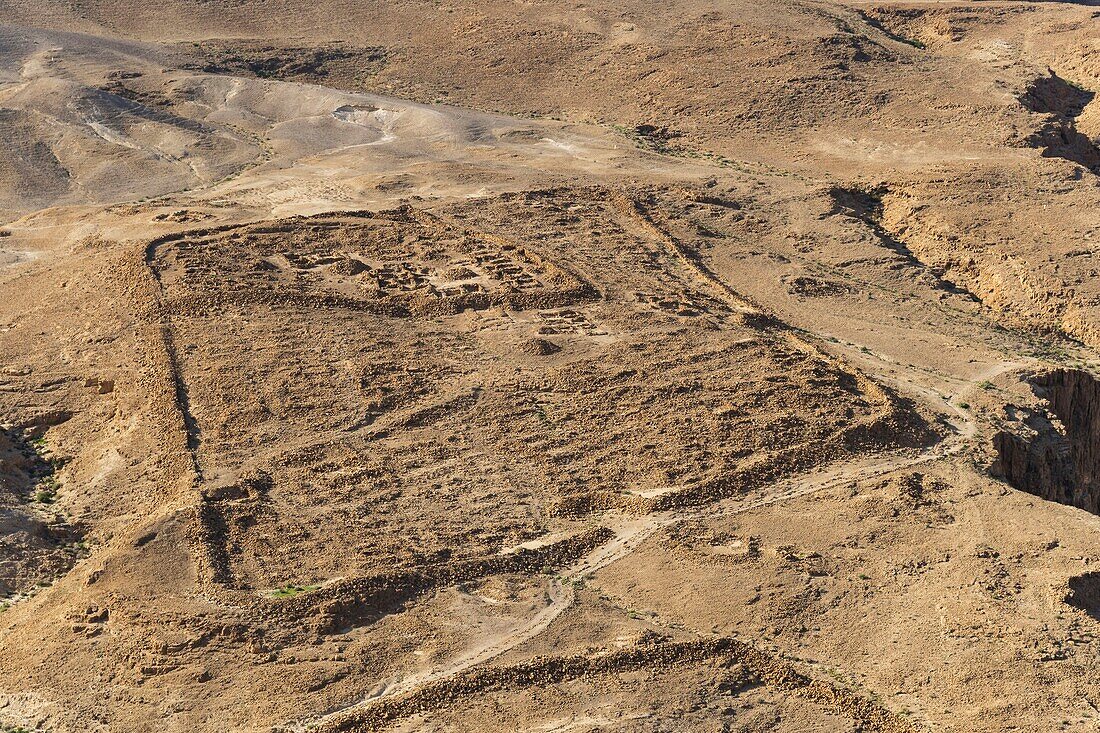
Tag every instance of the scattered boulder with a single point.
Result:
(103, 386)
(348, 266)
(459, 272)
(539, 347)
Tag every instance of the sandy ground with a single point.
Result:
(475, 366)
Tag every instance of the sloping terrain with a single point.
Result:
(481, 366)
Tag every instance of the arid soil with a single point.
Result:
(432, 366)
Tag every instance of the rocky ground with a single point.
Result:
(544, 367)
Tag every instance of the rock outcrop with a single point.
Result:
(1060, 460)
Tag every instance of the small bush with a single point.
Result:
(289, 591)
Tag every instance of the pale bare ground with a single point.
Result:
(700, 252)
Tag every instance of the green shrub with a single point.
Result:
(289, 591)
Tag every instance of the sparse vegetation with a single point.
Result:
(289, 591)
(47, 484)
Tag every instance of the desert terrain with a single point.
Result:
(544, 366)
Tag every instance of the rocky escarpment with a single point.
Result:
(1062, 102)
(37, 543)
(1084, 593)
(1056, 452)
